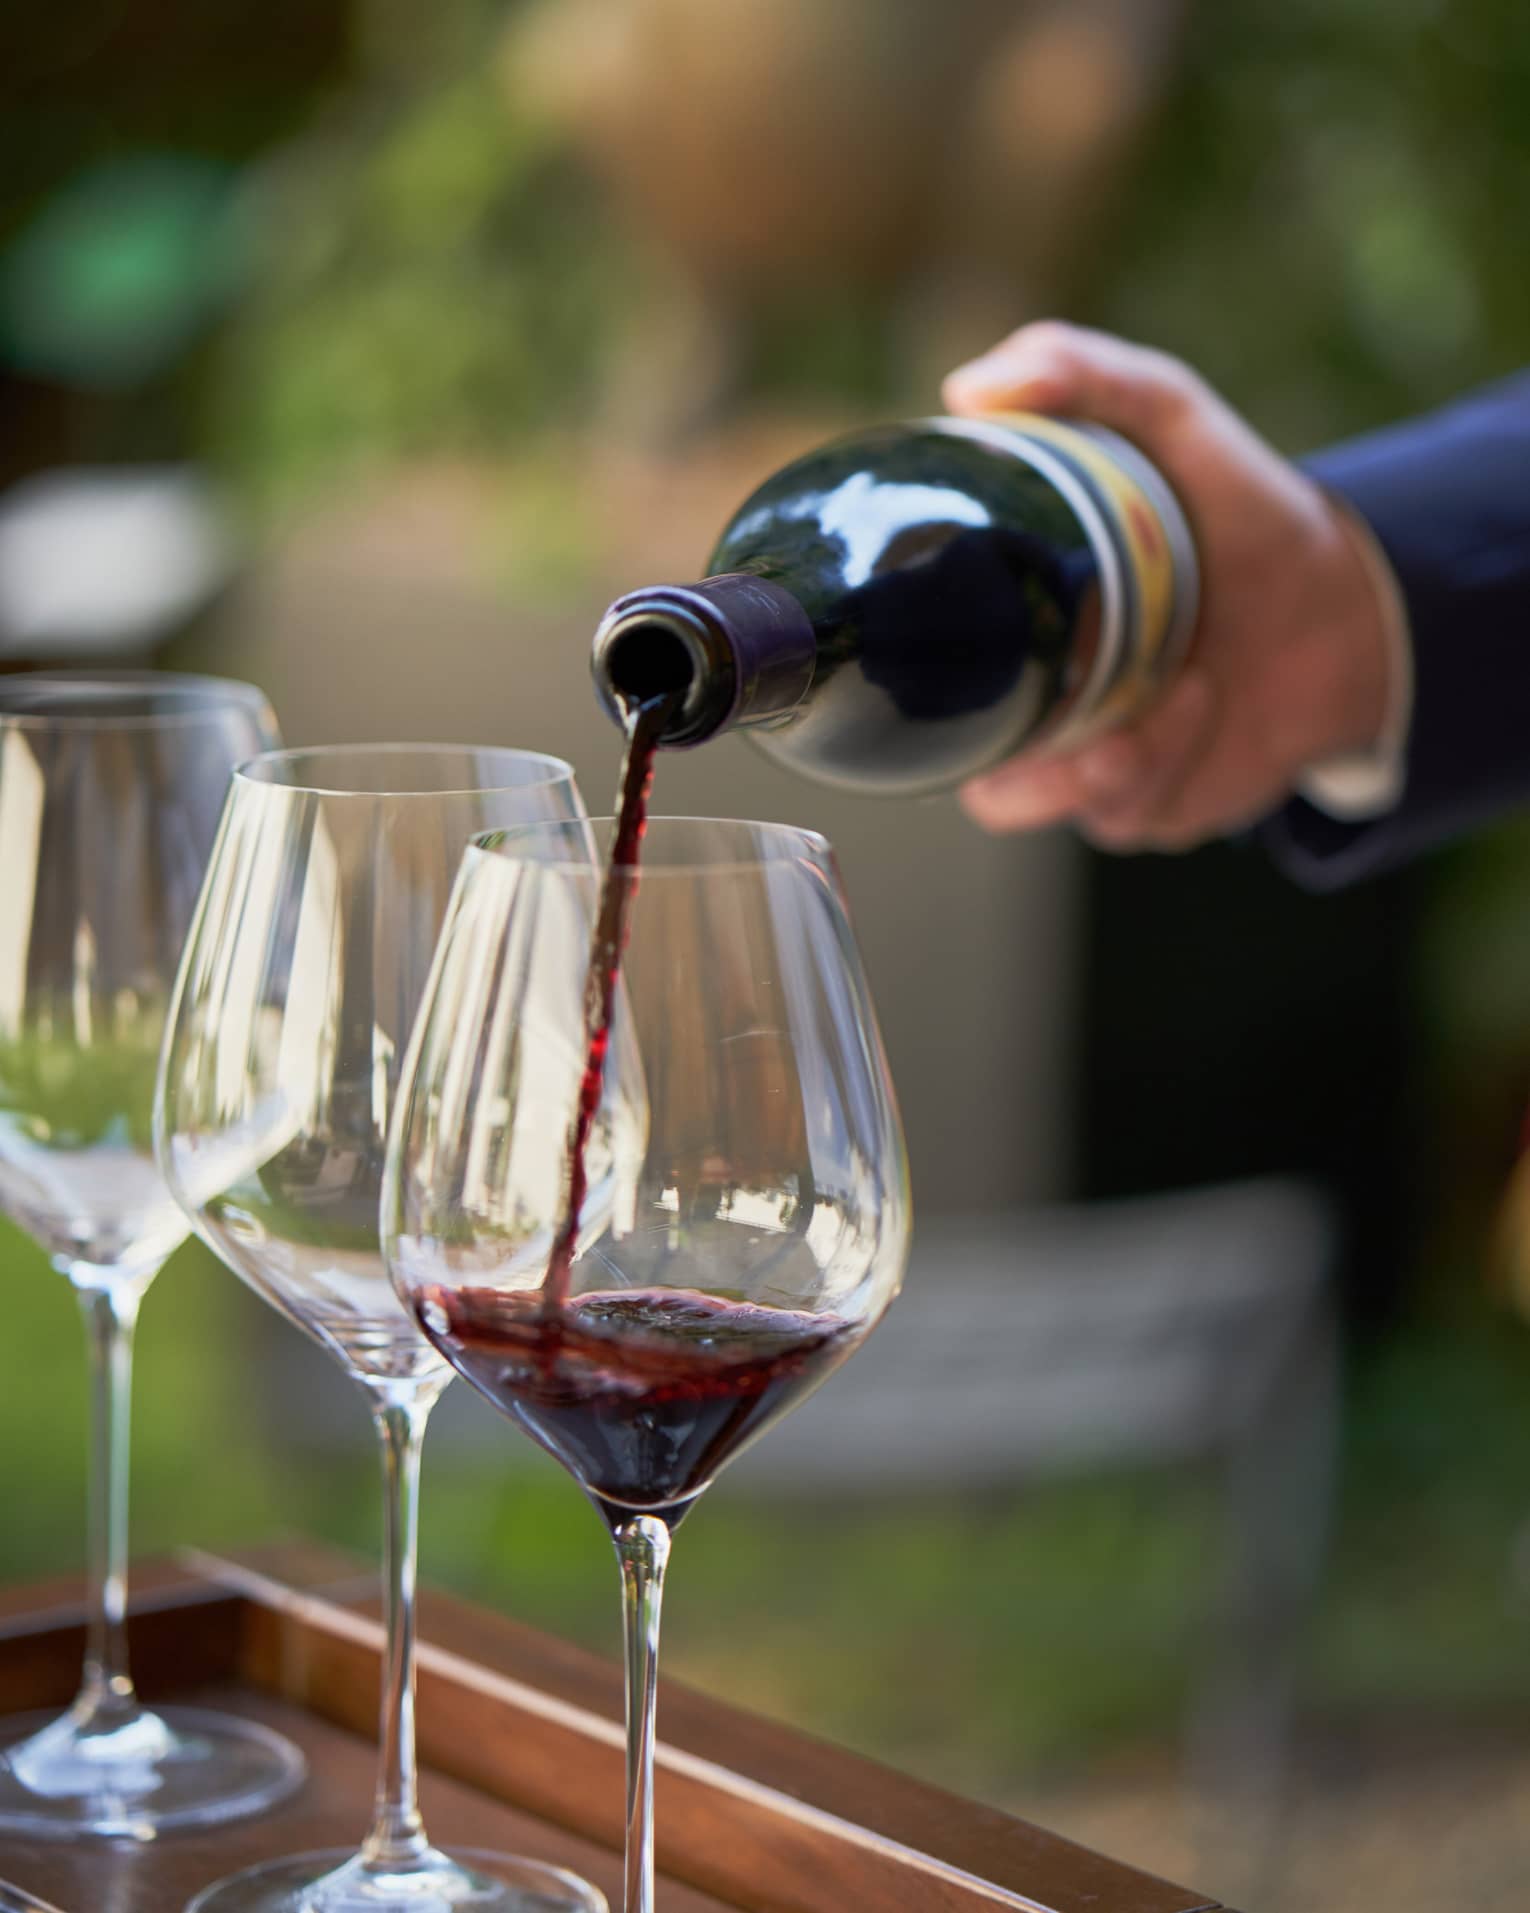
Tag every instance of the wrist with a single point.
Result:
(1358, 636)
(1357, 768)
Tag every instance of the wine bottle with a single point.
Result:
(911, 604)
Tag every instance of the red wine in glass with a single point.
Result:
(754, 1221)
(641, 1394)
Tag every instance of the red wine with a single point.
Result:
(642, 1394)
(645, 719)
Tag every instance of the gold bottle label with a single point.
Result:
(1138, 526)
(1148, 574)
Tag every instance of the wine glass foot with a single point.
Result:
(343, 1882)
(156, 1771)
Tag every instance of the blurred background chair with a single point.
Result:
(1194, 1329)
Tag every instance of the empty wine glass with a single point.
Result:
(753, 1216)
(302, 974)
(111, 785)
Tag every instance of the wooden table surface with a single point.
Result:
(521, 1750)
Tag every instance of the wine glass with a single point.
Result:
(302, 973)
(753, 1221)
(110, 789)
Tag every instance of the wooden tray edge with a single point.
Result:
(734, 1832)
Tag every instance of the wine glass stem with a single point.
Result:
(397, 1840)
(642, 1547)
(110, 1313)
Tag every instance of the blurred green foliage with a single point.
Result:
(436, 277)
(197, 1474)
(1324, 220)
(118, 273)
(69, 1096)
(1321, 219)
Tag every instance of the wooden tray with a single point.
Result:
(521, 1744)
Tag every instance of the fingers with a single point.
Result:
(1053, 367)
(1139, 779)
(1125, 791)
(1023, 796)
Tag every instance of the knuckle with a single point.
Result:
(1112, 843)
(1051, 339)
(1000, 804)
(1044, 332)
(1117, 765)
(1175, 837)
(1177, 388)
(983, 803)
(1114, 827)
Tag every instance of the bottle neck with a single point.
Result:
(740, 649)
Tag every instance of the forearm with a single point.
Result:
(1448, 498)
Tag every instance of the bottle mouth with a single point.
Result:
(649, 657)
(668, 652)
(732, 650)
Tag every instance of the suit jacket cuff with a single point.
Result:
(1447, 498)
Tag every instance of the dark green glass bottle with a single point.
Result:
(909, 605)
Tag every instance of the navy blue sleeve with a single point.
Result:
(1448, 497)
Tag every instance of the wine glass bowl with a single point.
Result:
(309, 954)
(749, 1208)
(110, 791)
(76, 1150)
(746, 1219)
(302, 975)
(111, 784)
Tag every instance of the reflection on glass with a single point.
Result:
(309, 955)
(110, 790)
(752, 1218)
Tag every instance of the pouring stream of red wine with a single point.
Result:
(642, 1394)
(645, 722)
